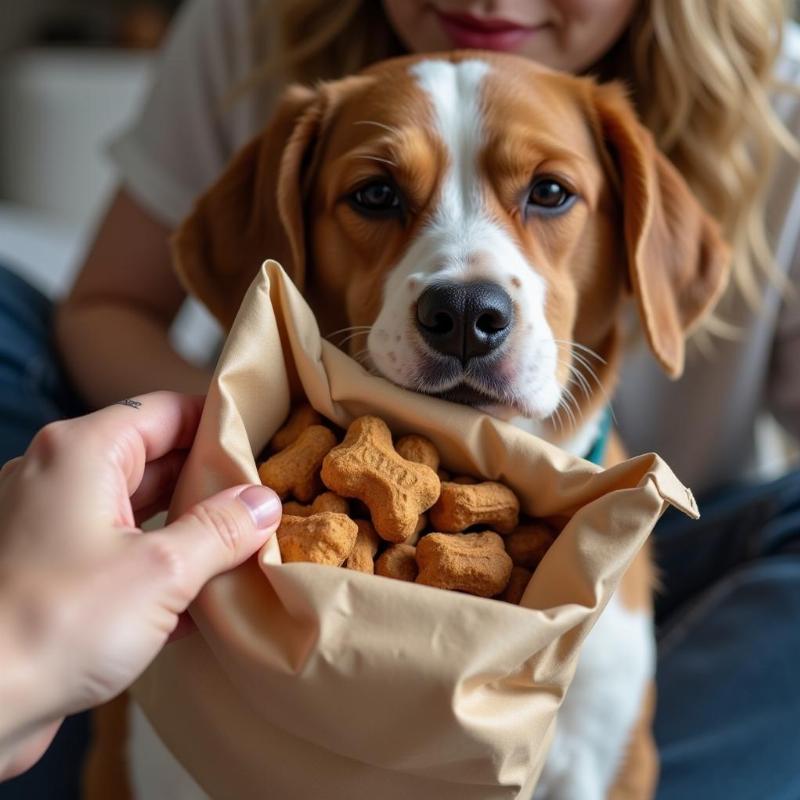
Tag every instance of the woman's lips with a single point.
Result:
(483, 33)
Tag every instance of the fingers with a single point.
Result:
(212, 537)
(29, 751)
(10, 466)
(163, 420)
(124, 436)
(158, 482)
(184, 627)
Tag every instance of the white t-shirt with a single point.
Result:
(703, 425)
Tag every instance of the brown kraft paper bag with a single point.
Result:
(310, 681)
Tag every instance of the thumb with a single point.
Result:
(217, 534)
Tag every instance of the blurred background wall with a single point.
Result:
(71, 73)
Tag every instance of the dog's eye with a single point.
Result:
(547, 195)
(378, 198)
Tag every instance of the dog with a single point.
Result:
(481, 226)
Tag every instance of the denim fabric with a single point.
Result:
(33, 392)
(728, 717)
(33, 387)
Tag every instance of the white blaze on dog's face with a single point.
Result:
(482, 218)
(468, 200)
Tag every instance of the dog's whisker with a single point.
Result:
(566, 399)
(564, 404)
(576, 376)
(342, 331)
(349, 333)
(350, 328)
(560, 420)
(601, 388)
(375, 158)
(577, 346)
(579, 358)
(385, 127)
(349, 338)
(581, 361)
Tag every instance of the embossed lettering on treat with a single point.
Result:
(365, 466)
(476, 563)
(295, 470)
(461, 506)
(301, 418)
(367, 542)
(325, 538)
(528, 544)
(398, 562)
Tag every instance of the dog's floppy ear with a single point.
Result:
(254, 211)
(677, 261)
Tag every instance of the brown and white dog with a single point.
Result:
(481, 224)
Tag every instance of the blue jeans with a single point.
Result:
(33, 387)
(33, 392)
(728, 717)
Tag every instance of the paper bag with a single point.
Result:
(310, 681)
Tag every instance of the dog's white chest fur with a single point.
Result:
(602, 706)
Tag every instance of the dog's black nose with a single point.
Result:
(464, 320)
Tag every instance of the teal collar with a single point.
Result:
(598, 450)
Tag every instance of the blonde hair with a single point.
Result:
(699, 74)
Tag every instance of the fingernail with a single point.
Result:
(263, 504)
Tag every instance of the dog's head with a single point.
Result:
(482, 218)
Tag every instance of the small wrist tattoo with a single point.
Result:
(129, 403)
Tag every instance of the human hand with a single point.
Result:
(86, 599)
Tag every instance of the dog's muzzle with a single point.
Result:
(464, 320)
(464, 325)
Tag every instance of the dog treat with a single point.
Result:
(295, 470)
(422, 523)
(461, 506)
(327, 501)
(419, 450)
(301, 418)
(366, 546)
(367, 467)
(398, 562)
(528, 544)
(325, 538)
(476, 563)
(399, 487)
(517, 584)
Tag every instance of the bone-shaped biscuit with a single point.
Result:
(301, 418)
(326, 538)
(366, 466)
(528, 544)
(295, 470)
(366, 546)
(460, 506)
(418, 449)
(398, 562)
(327, 501)
(476, 563)
(517, 584)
